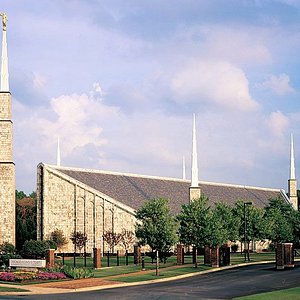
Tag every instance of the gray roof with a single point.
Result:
(134, 190)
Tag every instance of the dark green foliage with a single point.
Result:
(36, 249)
(194, 223)
(219, 225)
(281, 222)
(156, 227)
(25, 218)
(7, 251)
(255, 222)
(20, 195)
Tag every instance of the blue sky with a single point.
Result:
(118, 81)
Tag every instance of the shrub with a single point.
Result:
(36, 249)
(7, 251)
(77, 273)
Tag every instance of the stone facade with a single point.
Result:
(69, 205)
(7, 172)
(292, 192)
(195, 193)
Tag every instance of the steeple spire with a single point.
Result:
(195, 181)
(4, 58)
(183, 168)
(292, 159)
(292, 182)
(58, 153)
(195, 191)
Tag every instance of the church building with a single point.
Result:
(94, 201)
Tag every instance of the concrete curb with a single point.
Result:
(32, 289)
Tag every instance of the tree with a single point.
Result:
(26, 223)
(79, 239)
(156, 226)
(281, 222)
(112, 239)
(254, 222)
(58, 237)
(220, 224)
(127, 239)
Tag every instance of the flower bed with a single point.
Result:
(19, 276)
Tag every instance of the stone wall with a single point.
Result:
(7, 172)
(69, 205)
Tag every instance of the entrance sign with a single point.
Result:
(27, 263)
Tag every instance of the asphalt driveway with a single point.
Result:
(218, 285)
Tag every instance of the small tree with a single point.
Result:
(127, 239)
(280, 221)
(194, 223)
(79, 239)
(58, 237)
(112, 239)
(156, 227)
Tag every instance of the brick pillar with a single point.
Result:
(137, 254)
(280, 256)
(288, 255)
(207, 255)
(50, 258)
(180, 254)
(215, 257)
(97, 258)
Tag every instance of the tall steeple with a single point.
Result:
(195, 191)
(7, 166)
(292, 182)
(4, 58)
(292, 159)
(58, 153)
(183, 168)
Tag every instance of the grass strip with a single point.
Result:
(11, 289)
(286, 294)
(167, 273)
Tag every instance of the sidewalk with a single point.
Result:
(90, 284)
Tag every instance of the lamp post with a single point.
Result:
(245, 231)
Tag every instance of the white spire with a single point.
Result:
(183, 168)
(4, 58)
(292, 161)
(195, 181)
(58, 153)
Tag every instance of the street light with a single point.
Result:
(245, 231)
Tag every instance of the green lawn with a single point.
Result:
(287, 294)
(10, 289)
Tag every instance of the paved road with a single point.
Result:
(220, 285)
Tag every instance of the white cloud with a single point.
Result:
(277, 123)
(279, 85)
(220, 83)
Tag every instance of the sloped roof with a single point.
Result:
(133, 190)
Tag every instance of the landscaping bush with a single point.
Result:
(7, 251)
(36, 249)
(77, 273)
